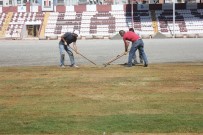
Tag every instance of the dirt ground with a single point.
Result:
(46, 53)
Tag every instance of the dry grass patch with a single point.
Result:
(163, 98)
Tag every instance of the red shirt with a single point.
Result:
(130, 36)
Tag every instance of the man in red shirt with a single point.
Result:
(137, 43)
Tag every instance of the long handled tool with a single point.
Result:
(84, 56)
(115, 58)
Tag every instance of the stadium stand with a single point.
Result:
(104, 21)
(19, 20)
(187, 22)
(144, 21)
(102, 24)
(59, 23)
(2, 18)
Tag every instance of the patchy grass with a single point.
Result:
(163, 98)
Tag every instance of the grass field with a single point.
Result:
(162, 98)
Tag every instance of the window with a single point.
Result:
(1, 2)
(10, 2)
(47, 3)
(61, 1)
(168, 1)
(18, 1)
(82, 2)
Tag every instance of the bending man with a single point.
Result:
(140, 56)
(64, 45)
(137, 43)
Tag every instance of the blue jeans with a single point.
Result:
(139, 44)
(62, 49)
(135, 58)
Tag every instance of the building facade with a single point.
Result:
(89, 2)
(18, 2)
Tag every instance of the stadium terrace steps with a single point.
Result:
(44, 25)
(6, 24)
(2, 20)
(154, 21)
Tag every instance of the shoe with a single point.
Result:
(145, 65)
(62, 66)
(141, 61)
(75, 66)
(135, 62)
(128, 65)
